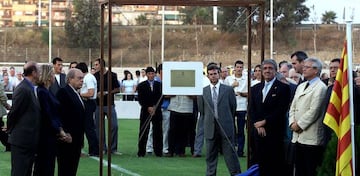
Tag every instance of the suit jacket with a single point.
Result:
(226, 110)
(273, 109)
(55, 87)
(72, 113)
(307, 109)
(148, 98)
(24, 117)
(3, 101)
(49, 110)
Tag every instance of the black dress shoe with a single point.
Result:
(94, 154)
(196, 156)
(182, 155)
(168, 155)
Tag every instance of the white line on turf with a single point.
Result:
(116, 167)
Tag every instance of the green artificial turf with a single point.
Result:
(129, 164)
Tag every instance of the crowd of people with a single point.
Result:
(51, 112)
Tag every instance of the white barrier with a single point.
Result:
(124, 109)
(127, 109)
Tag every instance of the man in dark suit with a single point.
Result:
(217, 108)
(24, 122)
(72, 116)
(269, 104)
(59, 76)
(150, 99)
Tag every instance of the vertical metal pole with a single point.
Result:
(101, 99)
(262, 21)
(110, 95)
(248, 26)
(163, 34)
(39, 13)
(89, 58)
(50, 30)
(215, 17)
(271, 28)
(351, 95)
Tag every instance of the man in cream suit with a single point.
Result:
(305, 119)
(217, 107)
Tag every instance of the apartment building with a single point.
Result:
(28, 13)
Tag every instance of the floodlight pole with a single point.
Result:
(271, 29)
(162, 34)
(50, 30)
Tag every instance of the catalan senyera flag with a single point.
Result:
(338, 118)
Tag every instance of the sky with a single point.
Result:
(351, 6)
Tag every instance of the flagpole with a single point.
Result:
(351, 91)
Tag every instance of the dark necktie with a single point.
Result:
(307, 85)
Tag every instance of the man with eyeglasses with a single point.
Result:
(305, 119)
(333, 68)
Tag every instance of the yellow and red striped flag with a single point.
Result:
(338, 117)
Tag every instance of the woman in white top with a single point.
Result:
(128, 87)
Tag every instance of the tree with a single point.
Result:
(232, 19)
(328, 17)
(142, 20)
(287, 13)
(197, 15)
(83, 30)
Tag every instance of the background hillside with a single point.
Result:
(140, 46)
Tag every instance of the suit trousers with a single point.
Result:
(22, 160)
(68, 158)
(307, 159)
(90, 130)
(199, 137)
(157, 134)
(212, 150)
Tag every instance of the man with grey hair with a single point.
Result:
(305, 119)
(268, 107)
(72, 116)
(284, 69)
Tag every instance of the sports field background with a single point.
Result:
(128, 164)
